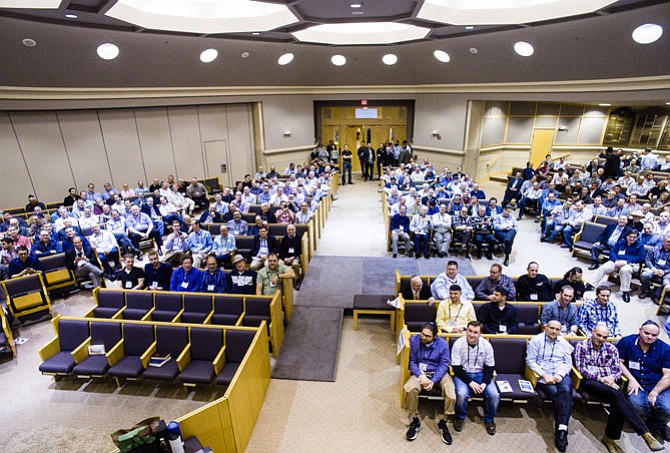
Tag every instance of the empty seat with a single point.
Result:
(172, 340)
(237, 345)
(510, 357)
(588, 236)
(106, 334)
(132, 357)
(196, 308)
(110, 302)
(57, 354)
(227, 310)
(168, 305)
(528, 317)
(26, 295)
(418, 314)
(205, 346)
(256, 310)
(56, 272)
(138, 304)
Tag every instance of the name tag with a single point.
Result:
(154, 283)
(634, 365)
(402, 228)
(452, 323)
(661, 262)
(621, 252)
(129, 285)
(291, 250)
(423, 367)
(184, 285)
(502, 328)
(210, 287)
(533, 296)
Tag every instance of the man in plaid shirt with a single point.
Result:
(598, 362)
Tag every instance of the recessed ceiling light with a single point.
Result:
(647, 33)
(473, 50)
(603, 104)
(338, 60)
(71, 16)
(524, 49)
(29, 42)
(667, 103)
(108, 51)
(355, 5)
(209, 55)
(470, 27)
(285, 59)
(442, 56)
(255, 33)
(245, 54)
(390, 59)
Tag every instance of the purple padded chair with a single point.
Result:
(109, 303)
(107, 334)
(227, 310)
(137, 338)
(167, 306)
(172, 340)
(237, 345)
(205, 346)
(138, 304)
(196, 308)
(71, 334)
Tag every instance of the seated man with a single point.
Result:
(598, 362)
(578, 215)
(530, 199)
(608, 239)
(238, 226)
(429, 366)
(572, 278)
(556, 221)
(441, 285)
(454, 314)
(197, 192)
(199, 243)
(186, 278)
(554, 375)
(107, 248)
(224, 246)
(626, 258)
(140, 226)
(505, 229)
(290, 250)
(214, 280)
(176, 245)
(442, 231)
(495, 279)
(645, 362)
(562, 310)
(157, 275)
(241, 280)
(262, 246)
(513, 190)
(25, 263)
(268, 283)
(420, 227)
(46, 245)
(657, 268)
(482, 229)
(417, 290)
(463, 229)
(117, 226)
(400, 231)
(82, 260)
(534, 286)
(600, 310)
(473, 373)
(130, 277)
(498, 316)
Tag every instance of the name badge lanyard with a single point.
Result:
(474, 367)
(457, 313)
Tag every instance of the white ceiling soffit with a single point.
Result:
(361, 33)
(203, 16)
(42, 4)
(496, 12)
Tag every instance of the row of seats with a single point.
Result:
(193, 308)
(199, 354)
(510, 359)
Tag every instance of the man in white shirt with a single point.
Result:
(107, 248)
(442, 231)
(440, 286)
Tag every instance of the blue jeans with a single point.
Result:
(492, 397)
(561, 395)
(655, 416)
(346, 169)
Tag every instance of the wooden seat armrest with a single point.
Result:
(240, 319)
(50, 349)
(177, 317)
(208, 319)
(146, 357)
(577, 377)
(147, 317)
(80, 353)
(119, 314)
(531, 376)
(220, 360)
(184, 358)
(116, 353)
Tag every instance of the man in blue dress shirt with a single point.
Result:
(186, 278)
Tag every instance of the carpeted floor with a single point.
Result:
(311, 346)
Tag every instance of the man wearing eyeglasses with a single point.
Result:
(429, 366)
(549, 355)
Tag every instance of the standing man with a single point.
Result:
(429, 366)
(363, 159)
(598, 363)
(549, 355)
(441, 285)
(290, 250)
(645, 361)
(563, 311)
(346, 164)
(473, 363)
(600, 311)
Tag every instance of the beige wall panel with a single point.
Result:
(122, 144)
(213, 124)
(186, 142)
(154, 132)
(13, 172)
(445, 113)
(42, 145)
(240, 139)
(84, 147)
(294, 113)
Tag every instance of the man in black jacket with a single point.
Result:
(611, 235)
(513, 190)
(241, 280)
(263, 245)
(290, 251)
(534, 286)
(498, 316)
(82, 260)
(417, 290)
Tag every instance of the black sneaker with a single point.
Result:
(458, 424)
(446, 435)
(561, 440)
(414, 429)
(490, 428)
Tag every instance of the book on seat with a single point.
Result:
(159, 359)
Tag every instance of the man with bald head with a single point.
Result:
(598, 362)
(417, 290)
